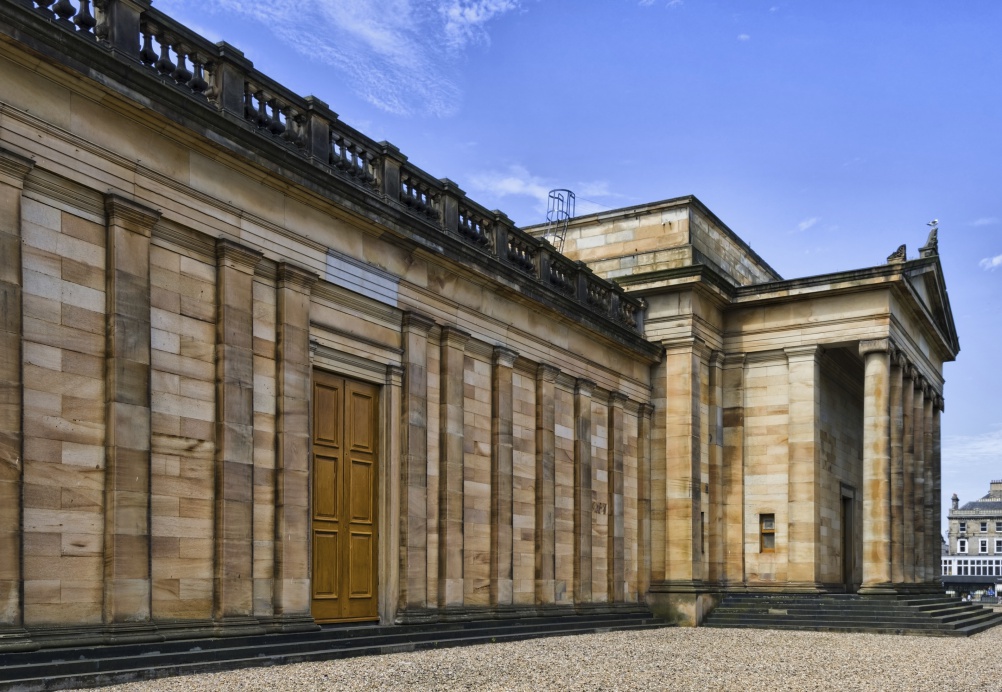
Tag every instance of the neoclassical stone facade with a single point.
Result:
(259, 371)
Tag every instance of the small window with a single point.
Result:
(962, 545)
(998, 546)
(998, 527)
(962, 527)
(984, 527)
(983, 546)
(767, 533)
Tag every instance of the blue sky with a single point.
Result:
(824, 133)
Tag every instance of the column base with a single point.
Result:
(290, 623)
(132, 633)
(878, 589)
(685, 603)
(16, 639)
(237, 626)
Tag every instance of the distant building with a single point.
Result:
(974, 542)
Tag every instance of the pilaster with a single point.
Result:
(582, 491)
(502, 457)
(616, 542)
(392, 488)
(292, 428)
(451, 554)
(234, 496)
(13, 171)
(414, 464)
(876, 467)
(930, 554)
(715, 444)
(804, 368)
(644, 416)
(732, 494)
(127, 587)
(936, 502)
(545, 530)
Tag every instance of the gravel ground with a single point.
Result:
(673, 658)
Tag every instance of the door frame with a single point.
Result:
(389, 379)
(847, 526)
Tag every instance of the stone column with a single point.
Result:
(616, 541)
(918, 480)
(127, 588)
(414, 466)
(804, 367)
(876, 467)
(545, 531)
(292, 433)
(936, 504)
(582, 491)
(502, 458)
(644, 416)
(13, 171)
(897, 469)
(732, 495)
(930, 554)
(234, 499)
(450, 504)
(908, 475)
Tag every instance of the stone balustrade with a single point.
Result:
(218, 76)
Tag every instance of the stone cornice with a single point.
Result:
(394, 375)
(295, 278)
(237, 256)
(806, 352)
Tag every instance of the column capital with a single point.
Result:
(584, 387)
(14, 168)
(646, 410)
(454, 337)
(867, 346)
(417, 322)
(296, 278)
(928, 391)
(618, 399)
(912, 372)
(804, 352)
(505, 357)
(394, 375)
(919, 382)
(940, 403)
(734, 360)
(717, 359)
(690, 343)
(121, 210)
(547, 372)
(237, 256)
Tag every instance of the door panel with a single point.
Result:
(345, 439)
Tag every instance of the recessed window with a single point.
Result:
(984, 527)
(767, 533)
(962, 527)
(983, 546)
(998, 546)
(962, 545)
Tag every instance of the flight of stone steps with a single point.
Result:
(928, 615)
(56, 669)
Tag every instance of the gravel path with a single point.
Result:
(674, 658)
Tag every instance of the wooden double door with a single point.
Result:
(344, 503)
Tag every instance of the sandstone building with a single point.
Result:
(974, 540)
(259, 371)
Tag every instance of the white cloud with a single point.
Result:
(517, 181)
(744, 37)
(774, 8)
(985, 221)
(398, 54)
(807, 223)
(991, 263)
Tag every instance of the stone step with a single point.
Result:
(93, 666)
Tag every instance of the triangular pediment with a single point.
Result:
(925, 276)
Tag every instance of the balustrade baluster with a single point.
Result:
(181, 74)
(164, 64)
(84, 19)
(101, 29)
(262, 110)
(43, 5)
(147, 55)
(64, 10)
(198, 83)
(275, 125)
